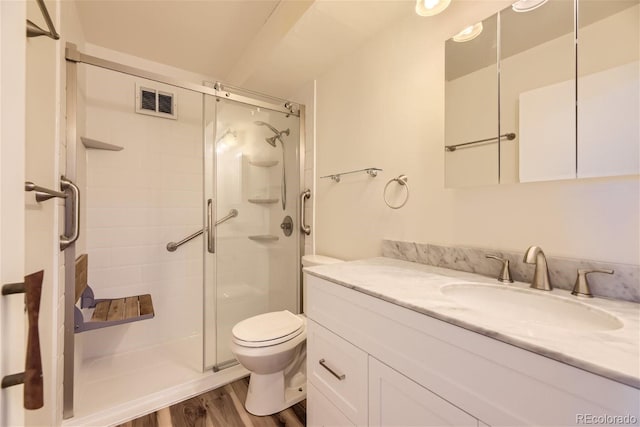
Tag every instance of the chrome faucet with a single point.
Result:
(534, 255)
(505, 272)
(581, 287)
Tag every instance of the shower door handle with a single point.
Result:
(211, 228)
(303, 197)
(72, 213)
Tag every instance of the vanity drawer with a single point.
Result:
(338, 369)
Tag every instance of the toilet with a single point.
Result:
(272, 346)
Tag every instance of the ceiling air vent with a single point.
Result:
(155, 102)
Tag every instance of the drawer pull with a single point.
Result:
(334, 373)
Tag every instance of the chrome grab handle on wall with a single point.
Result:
(211, 231)
(72, 214)
(306, 229)
(34, 31)
(172, 246)
(42, 193)
(334, 373)
(232, 214)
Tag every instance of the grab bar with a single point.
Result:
(42, 193)
(34, 31)
(306, 229)
(232, 214)
(72, 214)
(508, 136)
(172, 246)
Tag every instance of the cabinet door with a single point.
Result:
(321, 412)
(395, 400)
(338, 369)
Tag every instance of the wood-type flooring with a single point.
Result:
(221, 407)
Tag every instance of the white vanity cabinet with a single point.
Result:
(402, 367)
(395, 400)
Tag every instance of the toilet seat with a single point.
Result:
(268, 329)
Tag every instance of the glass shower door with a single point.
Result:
(253, 182)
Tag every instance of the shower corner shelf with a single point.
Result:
(264, 238)
(106, 312)
(99, 145)
(263, 201)
(263, 163)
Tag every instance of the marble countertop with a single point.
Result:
(613, 354)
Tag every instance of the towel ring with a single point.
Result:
(402, 180)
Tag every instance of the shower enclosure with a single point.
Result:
(255, 265)
(189, 194)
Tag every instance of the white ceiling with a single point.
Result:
(271, 46)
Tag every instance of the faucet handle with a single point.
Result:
(581, 287)
(505, 273)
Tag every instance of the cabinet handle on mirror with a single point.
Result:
(334, 373)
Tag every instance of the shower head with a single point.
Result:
(278, 134)
(272, 141)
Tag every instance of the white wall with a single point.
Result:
(383, 106)
(12, 225)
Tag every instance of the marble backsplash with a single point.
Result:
(624, 284)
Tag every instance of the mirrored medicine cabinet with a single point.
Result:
(547, 91)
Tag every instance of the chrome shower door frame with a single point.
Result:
(74, 57)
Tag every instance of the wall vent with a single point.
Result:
(155, 102)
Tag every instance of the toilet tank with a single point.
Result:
(310, 261)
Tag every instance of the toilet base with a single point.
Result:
(267, 394)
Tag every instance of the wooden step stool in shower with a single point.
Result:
(107, 312)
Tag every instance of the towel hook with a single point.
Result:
(402, 180)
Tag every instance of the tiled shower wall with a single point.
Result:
(138, 199)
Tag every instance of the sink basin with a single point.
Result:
(531, 307)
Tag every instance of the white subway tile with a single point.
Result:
(101, 278)
(100, 258)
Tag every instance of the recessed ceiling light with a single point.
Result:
(469, 33)
(527, 5)
(431, 7)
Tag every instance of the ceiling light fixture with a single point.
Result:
(469, 33)
(431, 7)
(527, 5)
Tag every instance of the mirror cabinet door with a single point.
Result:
(471, 106)
(537, 92)
(608, 87)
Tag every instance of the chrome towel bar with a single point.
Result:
(35, 31)
(507, 136)
(372, 172)
(172, 246)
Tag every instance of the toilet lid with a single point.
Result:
(267, 327)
